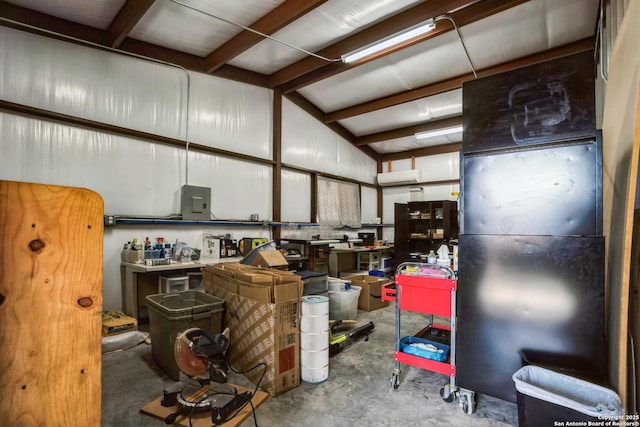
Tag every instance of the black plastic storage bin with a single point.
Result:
(546, 397)
(170, 314)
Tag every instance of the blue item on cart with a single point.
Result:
(425, 348)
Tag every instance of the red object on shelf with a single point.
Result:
(424, 363)
(389, 292)
(426, 294)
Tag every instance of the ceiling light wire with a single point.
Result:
(244, 27)
(440, 18)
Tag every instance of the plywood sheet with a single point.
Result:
(51, 241)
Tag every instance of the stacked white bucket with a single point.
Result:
(314, 339)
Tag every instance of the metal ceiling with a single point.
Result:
(377, 103)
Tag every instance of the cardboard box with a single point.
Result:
(371, 294)
(264, 319)
(116, 322)
(271, 259)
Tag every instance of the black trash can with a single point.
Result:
(547, 397)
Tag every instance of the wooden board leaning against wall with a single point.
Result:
(51, 244)
(621, 146)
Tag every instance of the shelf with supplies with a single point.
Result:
(422, 226)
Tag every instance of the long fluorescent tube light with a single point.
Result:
(392, 40)
(438, 132)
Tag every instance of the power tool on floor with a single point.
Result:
(338, 342)
(201, 355)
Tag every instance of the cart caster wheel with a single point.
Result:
(467, 402)
(395, 381)
(447, 393)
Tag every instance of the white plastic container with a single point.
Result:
(336, 285)
(343, 305)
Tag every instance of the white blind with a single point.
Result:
(338, 203)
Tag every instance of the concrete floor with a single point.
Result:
(358, 391)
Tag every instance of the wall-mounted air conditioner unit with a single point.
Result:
(407, 177)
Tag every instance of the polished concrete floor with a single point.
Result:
(358, 391)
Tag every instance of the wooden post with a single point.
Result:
(51, 241)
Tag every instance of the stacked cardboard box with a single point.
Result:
(371, 293)
(271, 259)
(262, 311)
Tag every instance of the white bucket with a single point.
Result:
(343, 305)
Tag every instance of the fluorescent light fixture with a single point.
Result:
(392, 40)
(438, 132)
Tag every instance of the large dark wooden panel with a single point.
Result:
(552, 191)
(543, 294)
(546, 102)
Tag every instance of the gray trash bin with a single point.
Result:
(545, 397)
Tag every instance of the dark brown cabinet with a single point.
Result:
(423, 226)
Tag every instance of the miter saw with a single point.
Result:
(201, 355)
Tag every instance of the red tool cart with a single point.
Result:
(429, 289)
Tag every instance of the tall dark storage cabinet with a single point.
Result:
(423, 226)
(531, 250)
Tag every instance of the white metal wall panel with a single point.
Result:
(441, 192)
(369, 205)
(353, 163)
(309, 144)
(296, 196)
(397, 165)
(305, 141)
(439, 167)
(92, 84)
(133, 177)
(238, 188)
(233, 116)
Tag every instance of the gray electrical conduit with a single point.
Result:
(440, 18)
(134, 55)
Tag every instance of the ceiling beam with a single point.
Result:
(162, 54)
(456, 82)
(311, 70)
(408, 130)
(423, 152)
(130, 13)
(399, 22)
(273, 21)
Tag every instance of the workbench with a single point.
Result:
(357, 259)
(139, 280)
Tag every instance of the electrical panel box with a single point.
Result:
(195, 203)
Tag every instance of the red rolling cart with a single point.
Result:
(429, 289)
